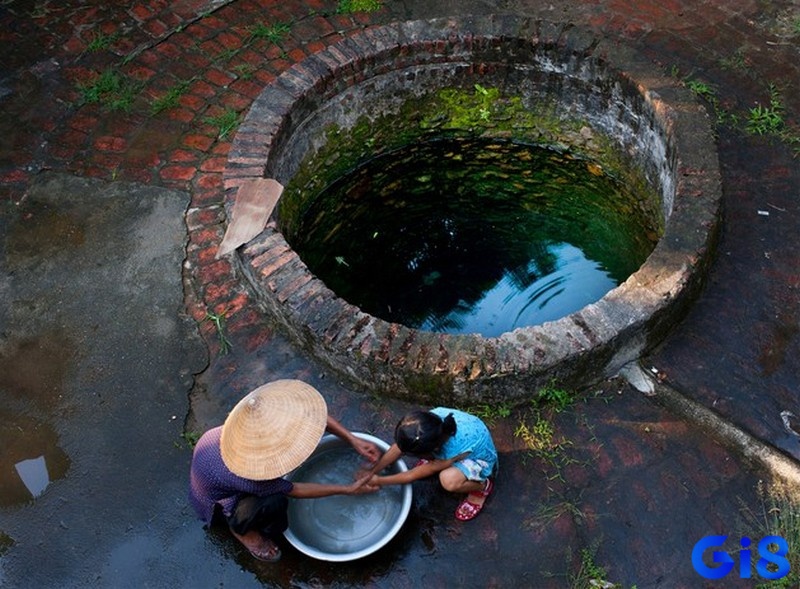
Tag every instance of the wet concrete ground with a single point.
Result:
(97, 354)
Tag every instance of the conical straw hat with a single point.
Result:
(272, 430)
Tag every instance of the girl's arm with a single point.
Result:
(367, 449)
(419, 472)
(313, 490)
(389, 457)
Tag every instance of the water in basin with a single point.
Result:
(341, 524)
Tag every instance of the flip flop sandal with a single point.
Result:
(468, 510)
(269, 553)
(420, 462)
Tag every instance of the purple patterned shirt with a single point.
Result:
(211, 482)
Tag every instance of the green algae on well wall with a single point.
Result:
(456, 112)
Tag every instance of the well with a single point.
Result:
(548, 83)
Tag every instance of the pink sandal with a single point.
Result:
(468, 510)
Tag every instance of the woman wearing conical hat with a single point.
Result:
(238, 469)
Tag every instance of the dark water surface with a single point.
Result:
(474, 236)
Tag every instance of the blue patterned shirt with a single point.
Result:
(472, 436)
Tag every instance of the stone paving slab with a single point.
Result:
(638, 485)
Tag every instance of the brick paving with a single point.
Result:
(628, 479)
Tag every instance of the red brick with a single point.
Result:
(207, 197)
(183, 173)
(628, 452)
(14, 176)
(182, 155)
(192, 102)
(208, 181)
(181, 114)
(206, 236)
(108, 161)
(156, 28)
(218, 77)
(201, 142)
(140, 12)
(216, 164)
(197, 218)
(229, 41)
(237, 102)
(74, 45)
(202, 88)
(297, 55)
(141, 72)
(107, 143)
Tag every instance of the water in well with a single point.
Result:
(475, 236)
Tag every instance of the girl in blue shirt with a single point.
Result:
(451, 443)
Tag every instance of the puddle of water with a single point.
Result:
(31, 458)
(474, 236)
(33, 368)
(42, 230)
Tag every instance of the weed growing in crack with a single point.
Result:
(767, 120)
(171, 98)
(100, 41)
(110, 89)
(225, 122)
(490, 413)
(218, 319)
(761, 120)
(351, 6)
(588, 574)
(737, 61)
(271, 33)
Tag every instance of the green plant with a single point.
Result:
(777, 513)
(191, 438)
(226, 121)
(490, 413)
(272, 33)
(589, 574)
(111, 89)
(554, 397)
(547, 513)
(101, 41)
(767, 120)
(737, 61)
(245, 71)
(350, 6)
(538, 437)
(225, 55)
(702, 90)
(170, 99)
(219, 323)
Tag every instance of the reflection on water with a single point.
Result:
(31, 458)
(33, 473)
(574, 282)
(475, 236)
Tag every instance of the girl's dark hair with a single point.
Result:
(423, 432)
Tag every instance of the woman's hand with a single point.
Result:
(362, 486)
(367, 449)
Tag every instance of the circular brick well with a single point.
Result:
(378, 89)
